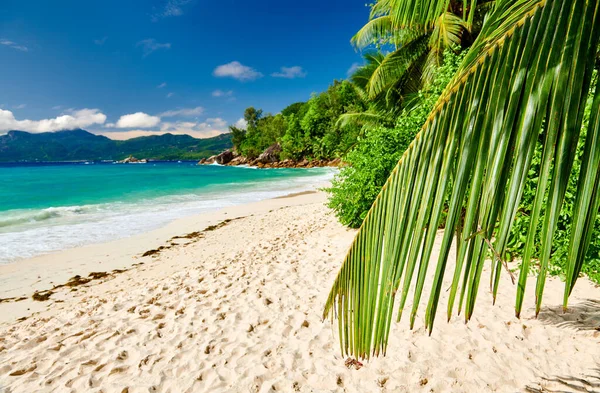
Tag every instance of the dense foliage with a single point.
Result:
(522, 83)
(376, 153)
(304, 129)
(560, 241)
(82, 145)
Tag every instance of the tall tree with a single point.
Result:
(419, 33)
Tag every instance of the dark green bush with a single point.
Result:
(560, 241)
(376, 153)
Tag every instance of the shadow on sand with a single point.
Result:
(589, 382)
(581, 316)
(584, 315)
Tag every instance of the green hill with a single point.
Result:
(78, 145)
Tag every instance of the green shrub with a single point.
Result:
(374, 155)
(560, 241)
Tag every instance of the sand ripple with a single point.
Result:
(239, 310)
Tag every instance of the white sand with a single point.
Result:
(239, 310)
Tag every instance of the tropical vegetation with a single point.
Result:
(304, 129)
(379, 148)
(501, 142)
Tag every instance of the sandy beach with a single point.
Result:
(232, 302)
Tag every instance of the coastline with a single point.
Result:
(236, 306)
(21, 279)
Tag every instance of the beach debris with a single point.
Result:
(12, 299)
(98, 275)
(351, 362)
(75, 281)
(42, 296)
(194, 236)
(191, 235)
(153, 252)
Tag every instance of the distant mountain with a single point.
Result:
(82, 145)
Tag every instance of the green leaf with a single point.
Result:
(530, 66)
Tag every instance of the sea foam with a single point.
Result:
(25, 233)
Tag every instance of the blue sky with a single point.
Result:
(132, 67)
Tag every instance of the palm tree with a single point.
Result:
(525, 79)
(383, 108)
(418, 45)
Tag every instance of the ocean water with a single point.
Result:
(51, 207)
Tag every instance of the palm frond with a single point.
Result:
(414, 14)
(395, 65)
(363, 74)
(532, 61)
(375, 30)
(447, 32)
(362, 119)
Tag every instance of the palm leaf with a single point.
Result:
(395, 65)
(447, 32)
(361, 119)
(532, 61)
(363, 74)
(375, 30)
(414, 14)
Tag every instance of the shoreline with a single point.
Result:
(21, 279)
(236, 305)
(33, 225)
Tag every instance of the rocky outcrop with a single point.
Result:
(223, 158)
(239, 160)
(270, 155)
(270, 158)
(297, 164)
(208, 161)
(132, 160)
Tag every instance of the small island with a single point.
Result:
(132, 160)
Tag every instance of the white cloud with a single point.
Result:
(75, 119)
(171, 94)
(221, 93)
(216, 122)
(210, 127)
(206, 129)
(290, 72)
(150, 45)
(197, 111)
(237, 70)
(164, 84)
(21, 106)
(137, 120)
(353, 68)
(101, 41)
(14, 45)
(171, 8)
(241, 124)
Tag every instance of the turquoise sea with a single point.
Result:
(50, 207)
